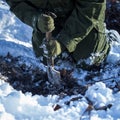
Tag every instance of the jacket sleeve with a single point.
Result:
(25, 12)
(86, 15)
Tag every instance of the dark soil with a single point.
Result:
(34, 80)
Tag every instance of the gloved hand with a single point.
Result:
(45, 23)
(54, 48)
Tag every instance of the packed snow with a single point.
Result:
(15, 38)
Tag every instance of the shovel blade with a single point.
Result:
(53, 75)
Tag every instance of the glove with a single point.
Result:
(54, 48)
(45, 23)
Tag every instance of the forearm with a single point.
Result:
(23, 11)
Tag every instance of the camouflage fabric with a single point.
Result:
(79, 25)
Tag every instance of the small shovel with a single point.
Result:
(53, 75)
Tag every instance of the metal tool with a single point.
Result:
(53, 75)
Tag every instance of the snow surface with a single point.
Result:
(15, 38)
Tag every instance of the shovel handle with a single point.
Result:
(50, 60)
(48, 35)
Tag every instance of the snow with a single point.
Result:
(15, 38)
(99, 95)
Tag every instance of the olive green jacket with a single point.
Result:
(79, 24)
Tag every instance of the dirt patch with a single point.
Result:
(32, 79)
